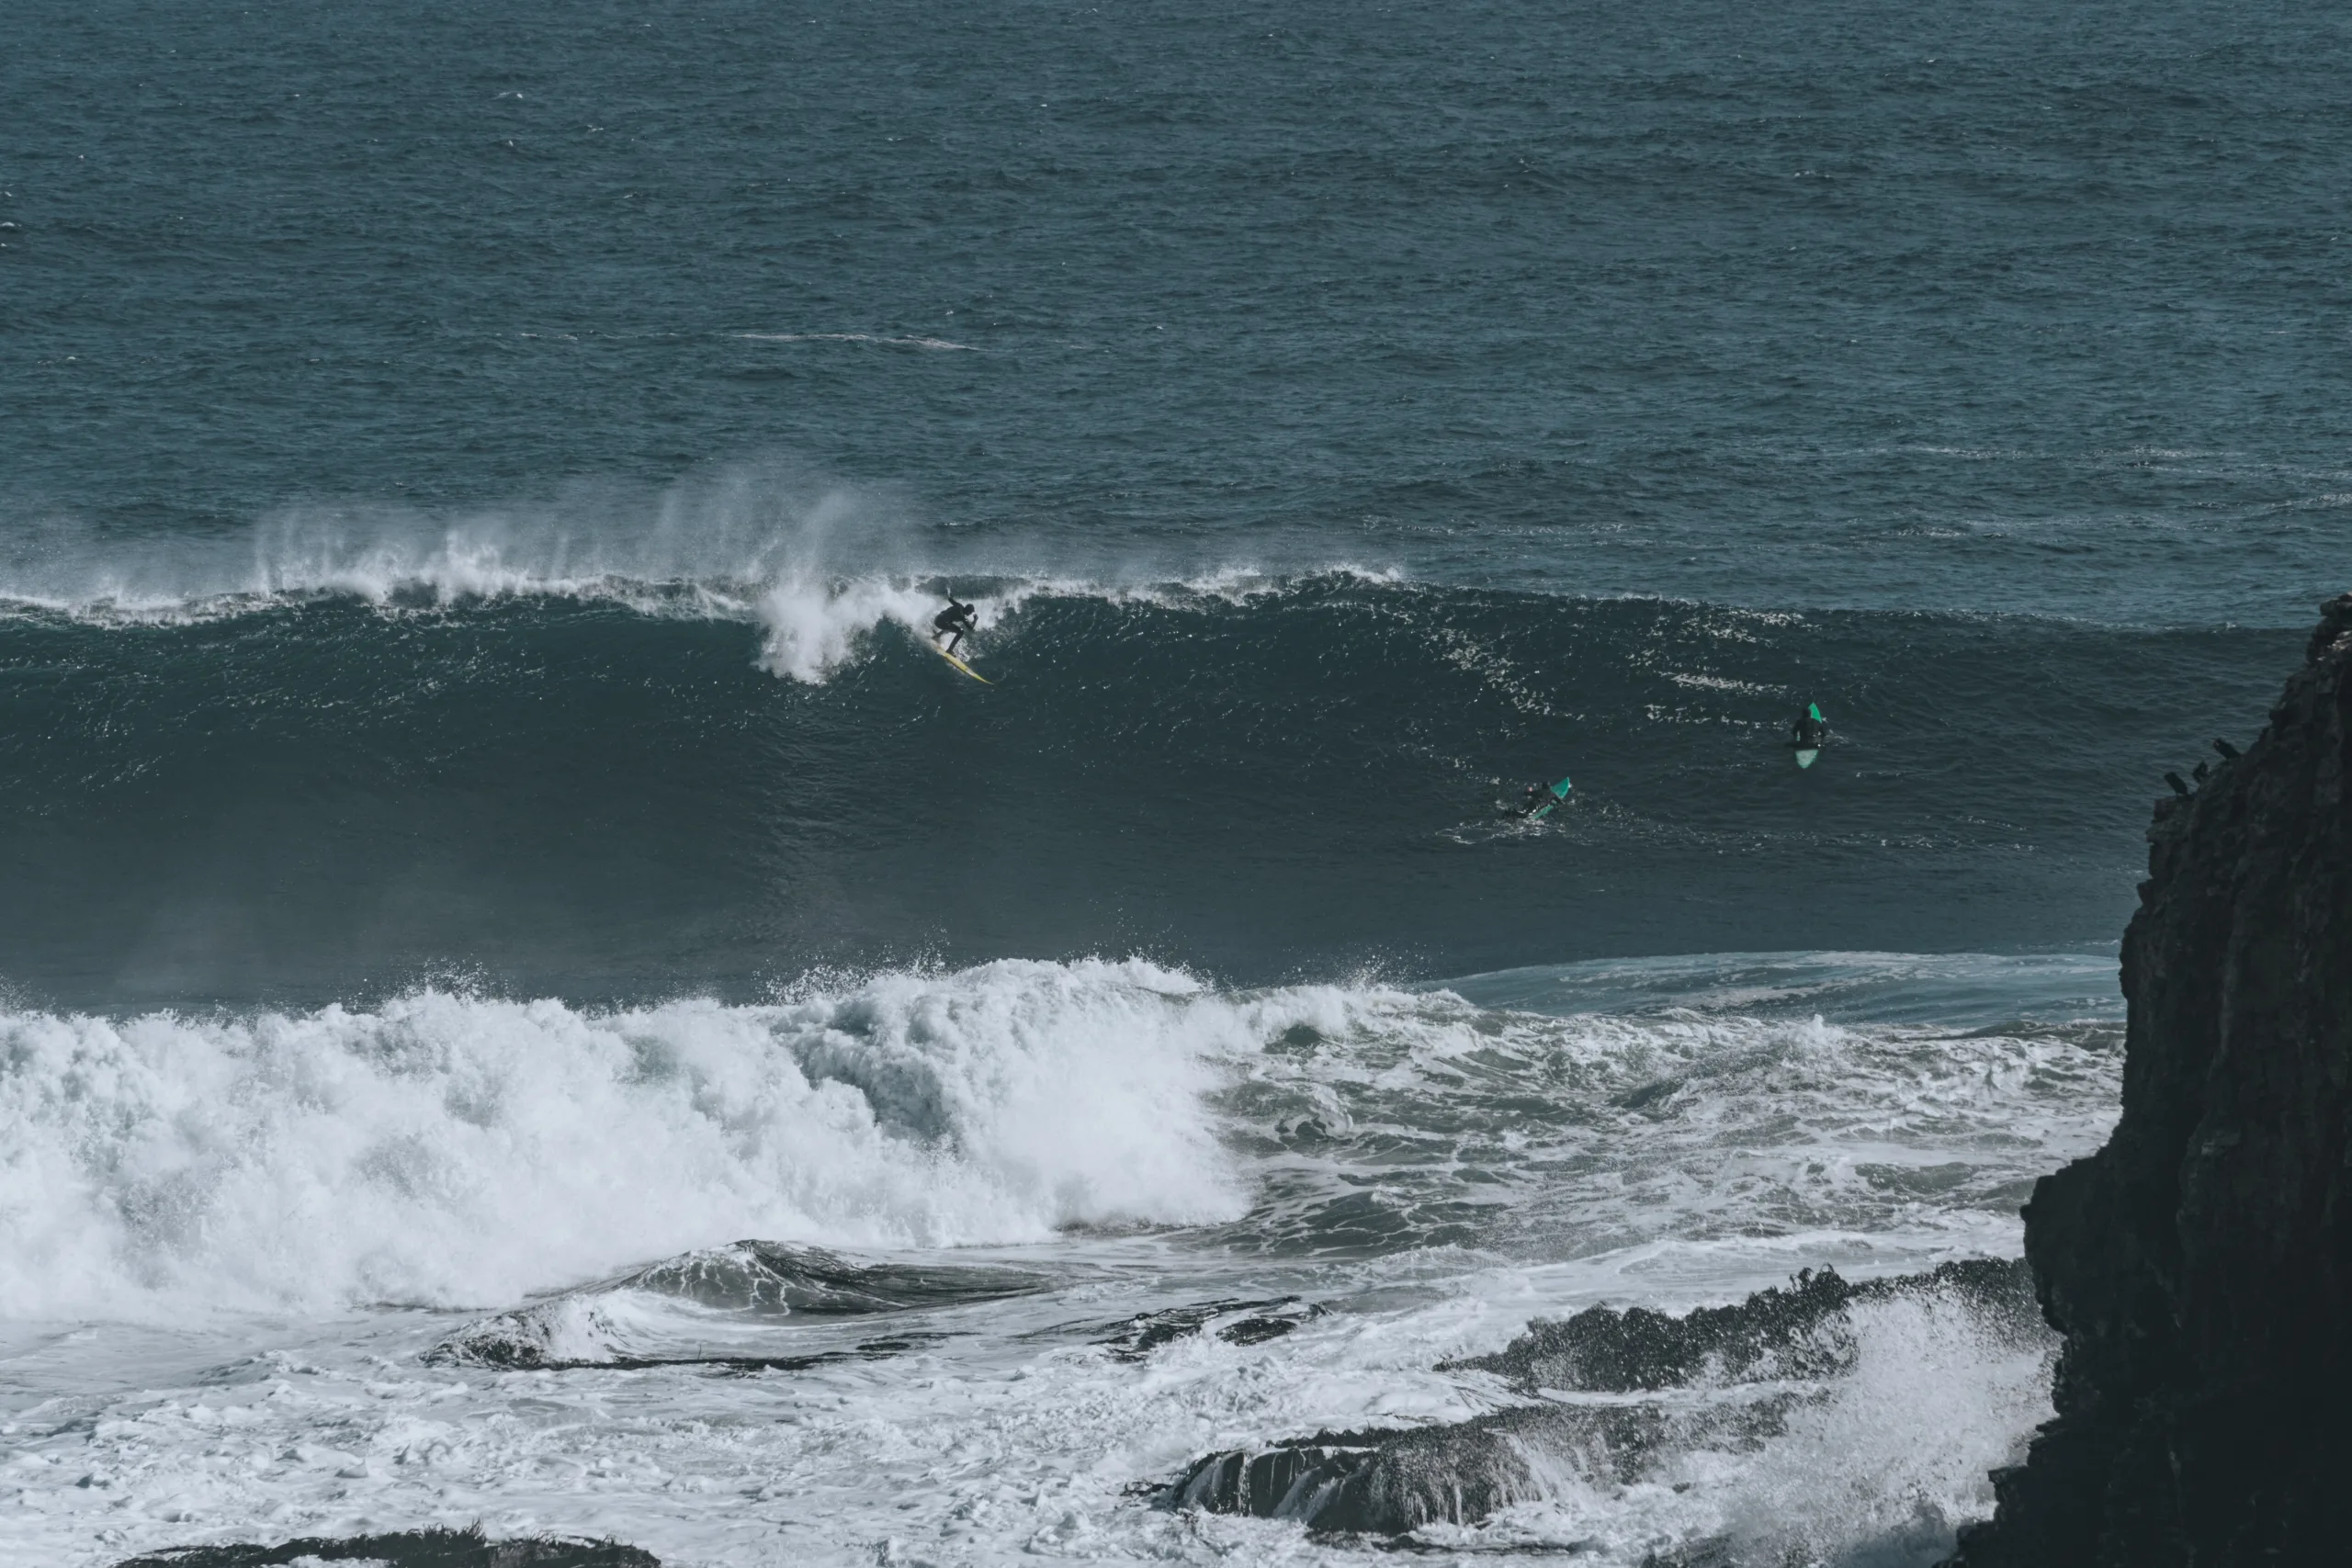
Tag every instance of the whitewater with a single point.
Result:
(309, 1272)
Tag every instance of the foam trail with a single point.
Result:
(452, 1150)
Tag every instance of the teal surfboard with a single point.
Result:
(1559, 794)
(1806, 754)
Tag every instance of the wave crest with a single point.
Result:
(816, 567)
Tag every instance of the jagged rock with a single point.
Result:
(1392, 1482)
(1796, 1332)
(410, 1549)
(2199, 1265)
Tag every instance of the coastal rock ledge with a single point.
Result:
(2199, 1265)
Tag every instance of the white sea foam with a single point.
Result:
(453, 1150)
(1002, 1446)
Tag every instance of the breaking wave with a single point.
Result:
(453, 1150)
(815, 567)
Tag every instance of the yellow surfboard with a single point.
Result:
(961, 665)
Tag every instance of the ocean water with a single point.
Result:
(528, 995)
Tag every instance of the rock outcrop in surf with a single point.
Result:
(2199, 1265)
(410, 1549)
(729, 1293)
(1783, 1347)
(1793, 1332)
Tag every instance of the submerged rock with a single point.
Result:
(2199, 1265)
(1234, 1322)
(410, 1549)
(741, 1287)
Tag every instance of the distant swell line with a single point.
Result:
(931, 343)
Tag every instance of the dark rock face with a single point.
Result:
(2199, 1265)
(412, 1549)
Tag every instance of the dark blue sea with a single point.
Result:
(479, 815)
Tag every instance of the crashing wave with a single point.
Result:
(454, 1150)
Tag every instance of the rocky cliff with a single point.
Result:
(2199, 1265)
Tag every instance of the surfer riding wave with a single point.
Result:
(956, 618)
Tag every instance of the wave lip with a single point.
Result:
(816, 576)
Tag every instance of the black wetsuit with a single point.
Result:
(1811, 732)
(956, 618)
